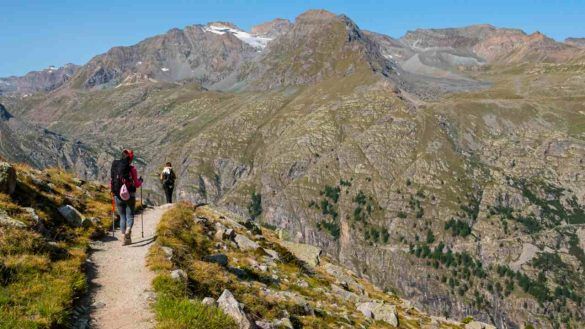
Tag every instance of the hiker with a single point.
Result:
(167, 178)
(124, 182)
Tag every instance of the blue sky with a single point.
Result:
(35, 34)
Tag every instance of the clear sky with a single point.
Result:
(35, 34)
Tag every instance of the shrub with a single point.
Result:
(255, 205)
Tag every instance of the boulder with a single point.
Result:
(344, 279)
(272, 253)
(178, 275)
(379, 312)
(478, 325)
(284, 323)
(230, 306)
(208, 301)
(307, 253)
(244, 243)
(264, 325)
(39, 226)
(7, 178)
(72, 215)
(168, 252)
(347, 295)
(6, 220)
(220, 259)
(229, 234)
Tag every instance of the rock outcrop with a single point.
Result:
(7, 178)
(228, 303)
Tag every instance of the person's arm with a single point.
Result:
(134, 174)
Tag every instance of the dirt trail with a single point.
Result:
(121, 289)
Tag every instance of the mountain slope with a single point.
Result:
(41, 148)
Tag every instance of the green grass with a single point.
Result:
(175, 310)
(39, 281)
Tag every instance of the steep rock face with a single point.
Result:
(41, 148)
(45, 80)
(196, 52)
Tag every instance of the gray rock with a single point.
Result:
(220, 259)
(7, 178)
(307, 253)
(344, 279)
(478, 325)
(201, 220)
(264, 325)
(39, 226)
(347, 295)
(244, 243)
(168, 252)
(72, 215)
(379, 312)
(230, 306)
(208, 301)
(272, 253)
(178, 275)
(284, 323)
(229, 234)
(6, 220)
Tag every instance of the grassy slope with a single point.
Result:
(179, 306)
(40, 276)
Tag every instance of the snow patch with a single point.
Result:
(251, 39)
(139, 63)
(164, 69)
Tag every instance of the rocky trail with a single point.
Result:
(121, 284)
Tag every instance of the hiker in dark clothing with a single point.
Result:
(124, 182)
(167, 177)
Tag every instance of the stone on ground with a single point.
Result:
(178, 275)
(6, 220)
(72, 215)
(307, 253)
(7, 178)
(244, 243)
(230, 306)
(220, 259)
(379, 312)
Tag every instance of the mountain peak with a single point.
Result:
(272, 28)
(316, 15)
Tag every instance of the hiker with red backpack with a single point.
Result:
(124, 182)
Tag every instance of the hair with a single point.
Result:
(169, 164)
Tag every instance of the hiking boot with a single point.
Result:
(127, 239)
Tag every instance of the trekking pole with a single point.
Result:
(113, 215)
(142, 211)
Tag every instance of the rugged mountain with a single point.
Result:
(203, 53)
(319, 46)
(490, 44)
(467, 203)
(45, 80)
(577, 42)
(41, 148)
(273, 28)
